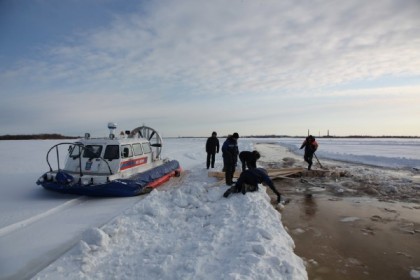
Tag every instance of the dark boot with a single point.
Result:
(227, 193)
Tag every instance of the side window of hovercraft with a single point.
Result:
(74, 151)
(112, 152)
(92, 151)
(146, 148)
(137, 149)
(126, 151)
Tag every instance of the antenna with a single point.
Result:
(112, 126)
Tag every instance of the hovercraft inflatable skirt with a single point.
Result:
(137, 184)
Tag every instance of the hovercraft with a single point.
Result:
(127, 165)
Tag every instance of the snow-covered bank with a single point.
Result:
(190, 232)
(187, 233)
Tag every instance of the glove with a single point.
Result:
(227, 193)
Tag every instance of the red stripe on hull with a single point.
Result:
(132, 163)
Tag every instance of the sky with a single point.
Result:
(191, 67)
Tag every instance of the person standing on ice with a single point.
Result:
(249, 159)
(230, 156)
(212, 147)
(248, 182)
(310, 146)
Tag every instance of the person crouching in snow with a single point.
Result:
(249, 159)
(310, 147)
(248, 182)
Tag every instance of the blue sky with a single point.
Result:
(189, 67)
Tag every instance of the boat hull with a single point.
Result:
(137, 184)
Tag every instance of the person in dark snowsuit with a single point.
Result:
(310, 146)
(230, 156)
(212, 147)
(249, 159)
(248, 182)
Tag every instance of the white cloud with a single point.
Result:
(235, 51)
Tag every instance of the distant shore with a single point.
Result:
(304, 136)
(55, 136)
(44, 136)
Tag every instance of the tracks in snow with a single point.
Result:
(16, 226)
(174, 182)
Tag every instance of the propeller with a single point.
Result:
(151, 135)
(156, 145)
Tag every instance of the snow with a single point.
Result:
(385, 152)
(349, 219)
(415, 274)
(179, 231)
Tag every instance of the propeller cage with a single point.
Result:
(151, 135)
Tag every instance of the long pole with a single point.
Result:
(318, 161)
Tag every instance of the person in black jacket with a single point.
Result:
(248, 182)
(249, 159)
(212, 147)
(310, 146)
(230, 156)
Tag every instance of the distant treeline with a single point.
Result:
(366, 136)
(330, 137)
(296, 136)
(55, 136)
(349, 136)
(45, 136)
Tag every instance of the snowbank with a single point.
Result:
(190, 232)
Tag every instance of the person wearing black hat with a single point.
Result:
(249, 159)
(248, 182)
(230, 156)
(212, 147)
